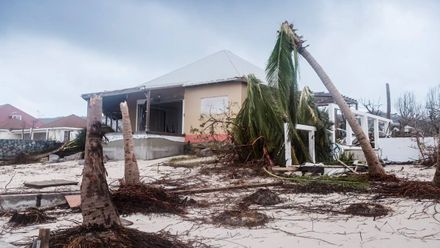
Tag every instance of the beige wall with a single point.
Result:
(236, 92)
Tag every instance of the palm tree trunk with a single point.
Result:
(436, 180)
(375, 169)
(131, 173)
(96, 205)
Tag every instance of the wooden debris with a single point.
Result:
(49, 183)
(74, 201)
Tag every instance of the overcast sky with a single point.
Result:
(53, 51)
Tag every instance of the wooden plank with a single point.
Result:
(49, 183)
(74, 201)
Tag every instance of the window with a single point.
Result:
(214, 105)
(16, 116)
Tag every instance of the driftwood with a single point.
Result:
(243, 186)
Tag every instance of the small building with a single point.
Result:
(17, 124)
(164, 110)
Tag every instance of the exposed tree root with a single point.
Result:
(367, 209)
(264, 197)
(117, 237)
(409, 189)
(145, 199)
(241, 217)
(29, 217)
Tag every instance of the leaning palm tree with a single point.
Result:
(131, 169)
(375, 168)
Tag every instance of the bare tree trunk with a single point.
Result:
(388, 101)
(375, 169)
(131, 173)
(96, 205)
(436, 180)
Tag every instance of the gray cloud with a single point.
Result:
(52, 51)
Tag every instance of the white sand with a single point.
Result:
(412, 223)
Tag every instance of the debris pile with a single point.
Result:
(409, 189)
(264, 197)
(145, 199)
(367, 209)
(29, 217)
(241, 217)
(94, 237)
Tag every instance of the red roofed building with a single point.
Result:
(17, 124)
(14, 118)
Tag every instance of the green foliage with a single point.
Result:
(259, 124)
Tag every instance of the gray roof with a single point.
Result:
(222, 66)
(218, 67)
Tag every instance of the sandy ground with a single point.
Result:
(411, 223)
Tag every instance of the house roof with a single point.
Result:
(218, 67)
(7, 111)
(67, 121)
(222, 66)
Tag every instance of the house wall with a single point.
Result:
(402, 149)
(235, 91)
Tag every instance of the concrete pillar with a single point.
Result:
(348, 134)
(376, 133)
(331, 116)
(312, 146)
(364, 124)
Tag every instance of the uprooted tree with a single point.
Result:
(260, 122)
(131, 169)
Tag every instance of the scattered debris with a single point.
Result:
(241, 217)
(145, 199)
(409, 189)
(95, 237)
(264, 197)
(29, 217)
(367, 209)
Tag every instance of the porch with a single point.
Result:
(156, 116)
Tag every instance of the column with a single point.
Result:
(348, 134)
(331, 116)
(364, 124)
(376, 133)
(312, 145)
(147, 111)
(287, 146)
